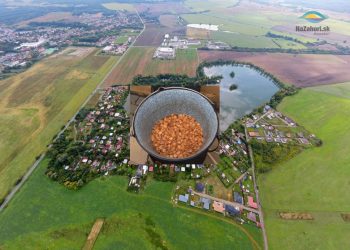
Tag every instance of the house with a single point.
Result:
(200, 187)
(219, 207)
(231, 210)
(237, 198)
(251, 216)
(251, 202)
(165, 53)
(206, 203)
(253, 134)
(144, 169)
(183, 198)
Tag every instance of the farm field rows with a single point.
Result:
(139, 61)
(145, 220)
(316, 181)
(302, 70)
(38, 102)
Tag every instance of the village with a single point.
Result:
(272, 126)
(21, 47)
(95, 144)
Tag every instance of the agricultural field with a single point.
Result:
(139, 60)
(302, 70)
(157, 8)
(38, 102)
(205, 5)
(251, 19)
(316, 181)
(170, 21)
(153, 35)
(147, 220)
(244, 41)
(51, 17)
(119, 6)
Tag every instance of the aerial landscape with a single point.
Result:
(174, 124)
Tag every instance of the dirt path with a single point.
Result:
(95, 231)
(261, 215)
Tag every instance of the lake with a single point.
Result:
(253, 90)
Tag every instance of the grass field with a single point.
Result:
(316, 181)
(139, 61)
(146, 220)
(241, 40)
(121, 39)
(34, 105)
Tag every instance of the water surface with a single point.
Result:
(253, 90)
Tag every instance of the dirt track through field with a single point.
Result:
(95, 231)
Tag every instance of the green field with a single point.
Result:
(245, 41)
(121, 39)
(204, 5)
(36, 220)
(34, 105)
(317, 180)
(139, 60)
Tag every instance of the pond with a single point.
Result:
(253, 90)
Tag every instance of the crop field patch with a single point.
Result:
(35, 104)
(139, 61)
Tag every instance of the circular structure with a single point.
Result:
(175, 100)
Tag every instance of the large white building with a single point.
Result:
(164, 53)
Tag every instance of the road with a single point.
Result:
(261, 216)
(232, 203)
(14, 190)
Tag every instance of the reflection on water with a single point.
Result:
(253, 90)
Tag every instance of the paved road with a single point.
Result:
(232, 203)
(261, 216)
(12, 193)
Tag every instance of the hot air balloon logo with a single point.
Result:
(314, 16)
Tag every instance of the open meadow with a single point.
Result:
(147, 220)
(35, 104)
(316, 181)
(139, 60)
(302, 70)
